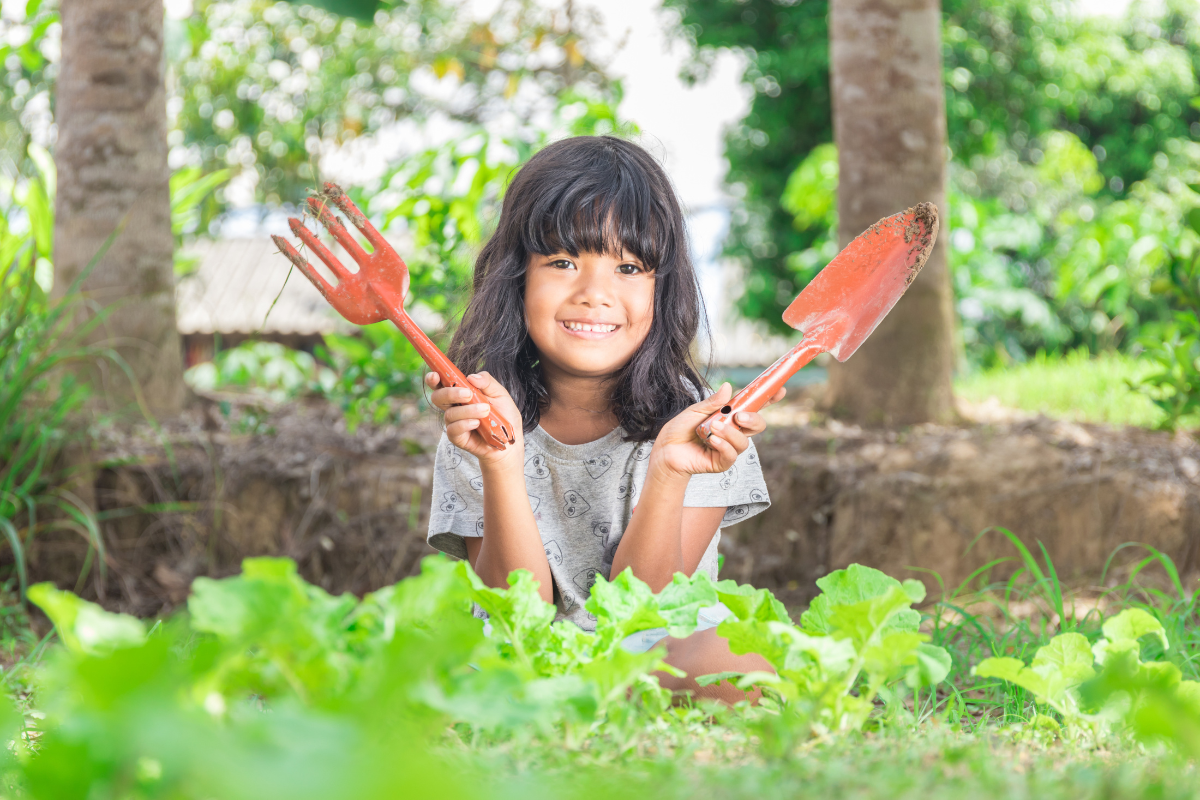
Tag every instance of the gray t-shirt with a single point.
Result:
(583, 497)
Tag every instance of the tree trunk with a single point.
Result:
(889, 123)
(112, 169)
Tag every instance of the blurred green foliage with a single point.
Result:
(1172, 347)
(272, 87)
(271, 687)
(1072, 153)
(1076, 386)
(268, 88)
(373, 371)
(279, 372)
(29, 50)
(38, 394)
(40, 343)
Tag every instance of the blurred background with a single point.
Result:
(1071, 165)
(149, 148)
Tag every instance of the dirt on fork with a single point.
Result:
(241, 478)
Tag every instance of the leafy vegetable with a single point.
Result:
(1106, 690)
(858, 635)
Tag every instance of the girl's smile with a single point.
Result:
(586, 329)
(587, 314)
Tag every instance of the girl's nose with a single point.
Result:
(594, 288)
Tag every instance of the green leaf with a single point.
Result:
(748, 603)
(914, 589)
(268, 590)
(84, 627)
(1187, 694)
(1013, 670)
(876, 616)
(1058, 669)
(717, 677)
(885, 657)
(811, 191)
(853, 585)
(932, 667)
(623, 606)
(681, 600)
(1132, 624)
(358, 9)
(1192, 217)
(753, 636)
(519, 610)
(1069, 655)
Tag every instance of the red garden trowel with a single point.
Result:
(845, 302)
(376, 291)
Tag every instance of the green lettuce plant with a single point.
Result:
(857, 636)
(1104, 689)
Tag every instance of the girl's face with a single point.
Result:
(588, 314)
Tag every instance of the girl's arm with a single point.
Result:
(510, 535)
(663, 537)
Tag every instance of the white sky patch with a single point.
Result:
(682, 125)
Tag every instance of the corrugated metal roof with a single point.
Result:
(235, 284)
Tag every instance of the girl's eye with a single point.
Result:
(629, 269)
(562, 263)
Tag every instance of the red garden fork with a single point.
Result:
(376, 291)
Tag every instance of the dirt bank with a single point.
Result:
(351, 509)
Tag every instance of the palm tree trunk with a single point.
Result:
(889, 123)
(112, 169)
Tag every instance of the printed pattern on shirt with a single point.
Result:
(574, 505)
(452, 503)
(598, 466)
(536, 468)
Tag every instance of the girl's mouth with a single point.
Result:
(589, 330)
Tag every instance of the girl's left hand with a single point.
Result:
(678, 449)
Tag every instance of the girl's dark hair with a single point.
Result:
(594, 194)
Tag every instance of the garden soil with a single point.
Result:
(351, 508)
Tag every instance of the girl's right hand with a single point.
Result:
(462, 421)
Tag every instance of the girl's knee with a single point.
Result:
(706, 653)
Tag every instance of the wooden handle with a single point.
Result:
(762, 388)
(494, 430)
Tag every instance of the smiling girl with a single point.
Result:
(584, 313)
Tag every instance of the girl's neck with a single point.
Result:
(579, 410)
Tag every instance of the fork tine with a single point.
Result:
(320, 210)
(359, 220)
(313, 243)
(301, 264)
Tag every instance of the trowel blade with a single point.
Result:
(846, 301)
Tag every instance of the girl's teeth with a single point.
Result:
(583, 326)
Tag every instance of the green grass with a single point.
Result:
(1076, 387)
(934, 762)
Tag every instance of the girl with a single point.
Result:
(584, 312)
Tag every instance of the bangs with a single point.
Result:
(607, 209)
